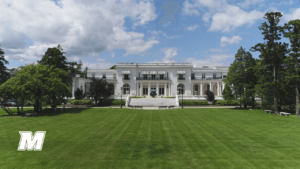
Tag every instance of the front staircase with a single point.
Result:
(152, 102)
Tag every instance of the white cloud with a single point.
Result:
(83, 28)
(193, 27)
(232, 18)
(170, 53)
(286, 3)
(100, 60)
(295, 14)
(156, 34)
(113, 55)
(233, 39)
(224, 17)
(97, 65)
(248, 3)
(212, 60)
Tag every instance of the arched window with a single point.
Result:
(180, 89)
(111, 88)
(126, 88)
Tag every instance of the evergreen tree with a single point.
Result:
(292, 31)
(271, 51)
(227, 92)
(4, 73)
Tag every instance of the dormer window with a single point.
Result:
(214, 75)
(161, 77)
(153, 76)
(93, 75)
(104, 76)
(203, 75)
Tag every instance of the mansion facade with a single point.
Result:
(168, 79)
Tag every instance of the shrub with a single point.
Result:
(78, 94)
(193, 102)
(81, 102)
(109, 102)
(227, 102)
(210, 96)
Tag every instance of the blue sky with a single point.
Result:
(103, 33)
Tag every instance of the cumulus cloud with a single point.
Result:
(224, 17)
(83, 28)
(233, 39)
(169, 53)
(212, 60)
(193, 27)
(248, 3)
(295, 14)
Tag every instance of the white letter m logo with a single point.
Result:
(28, 142)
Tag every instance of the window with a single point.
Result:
(111, 89)
(93, 75)
(145, 76)
(180, 89)
(181, 77)
(161, 90)
(203, 75)
(104, 76)
(153, 76)
(207, 87)
(161, 76)
(193, 76)
(214, 75)
(126, 77)
(126, 88)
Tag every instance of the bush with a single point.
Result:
(81, 102)
(210, 96)
(110, 102)
(227, 102)
(78, 94)
(194, 102)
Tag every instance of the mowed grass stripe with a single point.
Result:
(179, 138)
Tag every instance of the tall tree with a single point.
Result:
(270, 53)
(55, 57)
(4, 73)
(98, 89)
(241, 77)
(292, 31)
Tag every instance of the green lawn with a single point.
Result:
(178, 138)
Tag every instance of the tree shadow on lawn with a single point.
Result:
(47, 112)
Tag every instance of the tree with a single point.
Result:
(37, 83)
(4, 73)
(98, 89)
(242, 78)
(270, 53)
(210, 96)
(78, 94)
(55, 57)
(227, 92)
(292, 31)
(113, 67)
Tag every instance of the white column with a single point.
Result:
(157, 89)
(210, 86)
(73, 88)
(165, 90)
(141, 89)
(201, 90)
(218, 89)
(149, 88)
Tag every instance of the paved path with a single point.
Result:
(152, 102)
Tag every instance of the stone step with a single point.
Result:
(152, 102)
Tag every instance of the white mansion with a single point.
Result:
(168, 79)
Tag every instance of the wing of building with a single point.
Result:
(168, 79)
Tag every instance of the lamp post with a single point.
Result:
(121, 96)
(181, 89)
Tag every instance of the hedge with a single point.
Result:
(227, 102)
(193, 102)
(109, 102)
(81, 102)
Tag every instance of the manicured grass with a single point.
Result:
(178, 138)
